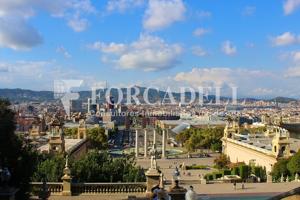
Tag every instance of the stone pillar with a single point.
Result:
(136, 143)
(152, 180)
(176, 192)
(145, 144)
(67, 179)
(163, 148)
(154, 136)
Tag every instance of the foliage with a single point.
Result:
(101, 167)
(235, 171)
(222, 161)
(97, 137)
(226, 172)
(95, 166)
(51, 169)
(17, 156)
(183, 136)
(260, 172)
(72, 132)
(197, 167)
(201, 138)
(244, 171)
(253, 130)
(287, 167)
(294, 164)
(209, 177)
(217, 175)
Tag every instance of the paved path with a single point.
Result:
(210, 190)
(167, 166)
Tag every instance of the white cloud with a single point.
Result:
(263, 91)
(228, 48)
(109, 48)
(123, 5)
(37, 75)
(296, 56)
(249, 82)
(293, 72)
(148, 53)
(206, 77)
(290, 6)
(17, 34)
(200, 32)
(163, 13)
(286, 38)
(198, 51)
(78, 24)
(15, 29)
(63, 51)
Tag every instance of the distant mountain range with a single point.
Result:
(23, 95)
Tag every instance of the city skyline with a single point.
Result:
(126, 42)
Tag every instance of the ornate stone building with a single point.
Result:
(263, 148)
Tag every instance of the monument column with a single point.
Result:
(145, 144)
(154, 136)
(67, 180)
(136, 143)
(163, 148)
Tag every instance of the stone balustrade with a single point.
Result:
(95, 188)
(54, 188)
(90, 188)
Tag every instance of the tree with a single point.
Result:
(294, 164)
(101, 167)
(97, 138)
(17, 156)
(222, 161)
(183, 136)
(280, 168)
(244, 171)
(202, 138)
(71, 132)
(51, 169)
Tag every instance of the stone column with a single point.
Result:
(145, 144)
(163, 148)
(136, 143)
(152, 180)
(67, 180)
(154, 136)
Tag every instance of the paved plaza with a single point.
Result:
(204, 191)
(167, 166)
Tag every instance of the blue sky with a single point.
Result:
(253, 45)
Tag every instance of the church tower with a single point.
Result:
(57, 140)
(81, 131)
(281, 143)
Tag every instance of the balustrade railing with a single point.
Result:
(95, 188)
(56, 188)
(53, 188)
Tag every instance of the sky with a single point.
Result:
(253, 45)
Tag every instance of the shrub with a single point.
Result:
(217, 175)
(196, 167)
(209, 177)
(235, 171)
(226, 172)
(244, 171)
